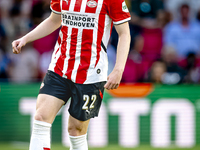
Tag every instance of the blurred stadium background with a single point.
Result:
(156, 107)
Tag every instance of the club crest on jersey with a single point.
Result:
(124, 7)
(92, 3)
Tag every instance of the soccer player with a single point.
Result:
(78, 68)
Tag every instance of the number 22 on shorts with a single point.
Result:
(86, 98)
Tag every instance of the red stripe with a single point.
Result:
(60, 62)
(72, 53)
(59, 40)
(46, 148)
(100, 35)
(91, 9)
(86, 52)
(78, 5)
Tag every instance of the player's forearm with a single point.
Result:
(122, 51)
(43, 29)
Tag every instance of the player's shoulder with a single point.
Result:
(114, 1)
(55, 1)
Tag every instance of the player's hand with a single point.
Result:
(113, 80)
(17, 45)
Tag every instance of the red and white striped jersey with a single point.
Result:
(80, 52)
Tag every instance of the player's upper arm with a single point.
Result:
(56, 19)
(123, 29)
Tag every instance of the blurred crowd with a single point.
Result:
(165, 41)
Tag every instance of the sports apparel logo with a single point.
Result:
(87, 111)
(42, 84)
(92, 4)
(124, 7)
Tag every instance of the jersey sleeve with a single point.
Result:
(55, 6)
(118, 11)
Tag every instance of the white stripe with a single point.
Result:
(67, 53)
(95, 32)
(99, 7)
(78, 46)
(55, 55)
(83, 6)
(53, 61)
(122, 21)
(72, 5)
(106, 33)
(94, 49)
(61, 5)
(71, 8)
(94, 45)
(78, 55)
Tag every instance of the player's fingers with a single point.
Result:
(112, 86)
(115, 86)
(14, 46)
(20, 45)
(16, 51)
(17, 47)
(107, 86)
(107, 83)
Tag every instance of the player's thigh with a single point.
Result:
(77, 127)
(47, 107)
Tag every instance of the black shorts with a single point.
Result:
(85, 98)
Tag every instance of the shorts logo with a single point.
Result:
(41, 86)
(87, 111)
(124, 7)
(92, 4)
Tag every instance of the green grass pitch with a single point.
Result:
(24, 146)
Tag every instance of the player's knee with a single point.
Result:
(75, 130)
(39, 117)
